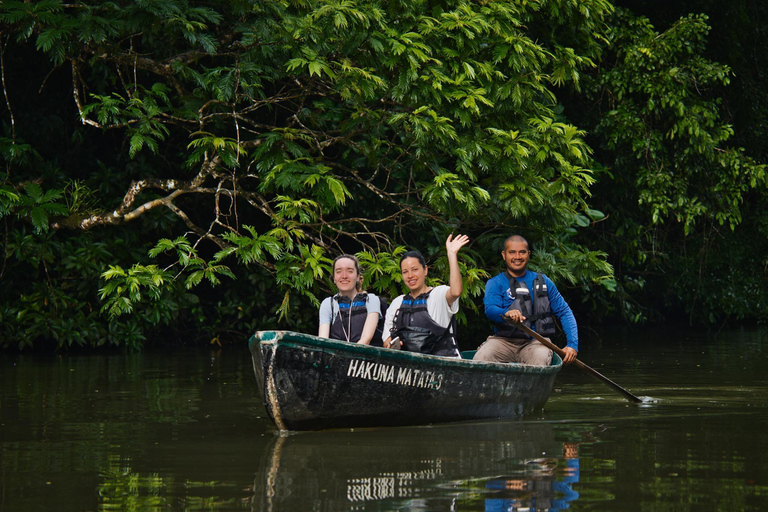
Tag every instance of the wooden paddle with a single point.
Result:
(544, 341)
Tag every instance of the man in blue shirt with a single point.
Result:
(521, 295)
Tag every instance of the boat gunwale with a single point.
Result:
(296, 339)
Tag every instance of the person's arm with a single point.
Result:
(369, 329)
(324, 331)
(389, 320)
(493, 301)
(452, 246)
(373, 306)
(562, 311)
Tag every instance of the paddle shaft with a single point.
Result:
(599, 376)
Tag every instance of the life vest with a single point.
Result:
(349, 323)
(419, 333)
(536, 312)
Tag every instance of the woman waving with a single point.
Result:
(423, 319)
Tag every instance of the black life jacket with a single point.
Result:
(419, 333)
(349, 323)
(536, 312)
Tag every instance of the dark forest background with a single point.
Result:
(185, 171)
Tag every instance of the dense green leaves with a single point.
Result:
(256, 140)
(33, 204)
(677, 189)
(673, 132)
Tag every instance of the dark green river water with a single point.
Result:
(185, 430)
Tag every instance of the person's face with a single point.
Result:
(516, 256)
(345, 275)
(414, 274)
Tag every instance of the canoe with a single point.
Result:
(311, 383)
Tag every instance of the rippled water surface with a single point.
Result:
(184, 430)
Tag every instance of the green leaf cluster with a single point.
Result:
(237, 147)
(674, 186)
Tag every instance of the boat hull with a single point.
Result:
(311, 383)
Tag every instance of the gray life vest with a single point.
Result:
(536, 311)
(419, 333)
(349, 323)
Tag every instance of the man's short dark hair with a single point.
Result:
(515, 238)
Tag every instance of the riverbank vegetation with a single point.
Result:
(182, 170)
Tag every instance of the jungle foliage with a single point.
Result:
(685, 228)
(183, 169)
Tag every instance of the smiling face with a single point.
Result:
(414, 275)
(516, 256)
(346, 276)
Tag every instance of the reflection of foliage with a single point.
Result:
(123, 489)
(104, 423)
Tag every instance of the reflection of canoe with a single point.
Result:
(413, 468)
(311, 383)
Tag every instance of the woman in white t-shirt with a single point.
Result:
(423, 319)
(351, 315)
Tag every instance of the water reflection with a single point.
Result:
(489, 466)
(184, 430)
(125, 432)
(541, 484)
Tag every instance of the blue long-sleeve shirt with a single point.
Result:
(498, 298)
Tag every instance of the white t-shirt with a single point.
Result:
(437, 307)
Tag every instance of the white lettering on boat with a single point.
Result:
(402, 484)
(412, 377)
(365, 489)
